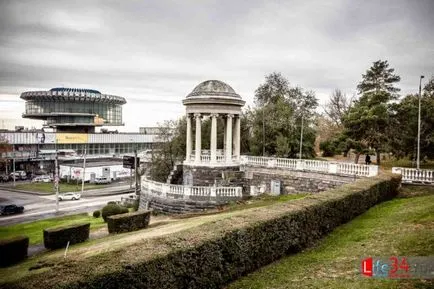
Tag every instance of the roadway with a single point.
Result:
(37, 207)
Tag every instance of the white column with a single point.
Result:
(224, 135)
(198, 148)
(188, 153)
(237, 137)
(228, 152)
(213, 145)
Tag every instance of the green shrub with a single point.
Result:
(96, 214)
(58, 237)
(112, 203)
(328, 148)
(13, 250)
(128, 222)
(136, 205)
(112, 209)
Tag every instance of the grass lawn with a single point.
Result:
(34, 229)
(63, 187)
(400, 227)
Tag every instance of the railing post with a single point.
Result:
(213, 193)
(373, 171)
(333, 168)
(299, 165)
(187, 192)
(165, 190)
(271, 163)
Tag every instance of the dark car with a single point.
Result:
(11, 209)
(4, 178)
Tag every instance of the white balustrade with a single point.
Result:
(410, 175)
(163, 190)
(311, 165)
(220, 158)
(205, 158)
(286, 163)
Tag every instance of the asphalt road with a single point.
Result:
(37, 207)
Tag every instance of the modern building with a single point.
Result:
(74, 109)
(71, 115)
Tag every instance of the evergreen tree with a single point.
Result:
(368, 120)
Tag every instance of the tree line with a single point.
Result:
(376, 120)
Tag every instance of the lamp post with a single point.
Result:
(84, 170)
(301, 136)
(418, 124)
(56, 173)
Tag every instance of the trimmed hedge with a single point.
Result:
(216, 253)
(13, 250)
(55, 238)
(112, 209)
(128, 222)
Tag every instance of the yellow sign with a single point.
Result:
(66, 138)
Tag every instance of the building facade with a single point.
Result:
(73, 109)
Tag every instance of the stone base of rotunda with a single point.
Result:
(209, 176)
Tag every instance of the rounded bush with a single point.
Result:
(113, 209)
(97, 214)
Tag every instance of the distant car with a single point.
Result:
(41, 179)
(4, 178)
(11, 209)
(18, 175)
(102, 180)
(69, 196)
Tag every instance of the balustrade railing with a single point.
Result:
(410, 175)
(189, 192)
(311, 165)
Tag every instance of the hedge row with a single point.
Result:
(13, 250)
(55, 238)
(216, 253)
(128, 222)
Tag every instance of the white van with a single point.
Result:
(102, 180)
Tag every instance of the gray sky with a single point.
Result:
(154, 53)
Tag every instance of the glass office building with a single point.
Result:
(74, 110)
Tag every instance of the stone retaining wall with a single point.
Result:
(179, 206)
(294, 181)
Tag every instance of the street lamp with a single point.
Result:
(418, 124)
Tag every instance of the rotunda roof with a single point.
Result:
(213, 88)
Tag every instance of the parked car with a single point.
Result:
(42, 179)
(18, 175)
(4, 178)
(102, 180)
(69, 196)
(11, 209)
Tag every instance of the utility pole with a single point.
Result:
(13, 162)
(301, 137)
(263, 132)
(84, 170)
(418, 124)
(135, 171)
(56, 175)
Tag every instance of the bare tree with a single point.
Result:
(338, 106)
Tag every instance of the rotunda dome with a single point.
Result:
(213, 88)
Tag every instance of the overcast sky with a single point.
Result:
(154, 53)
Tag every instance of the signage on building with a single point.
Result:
(98, 120)
(128, 162)
(71, 138)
